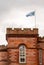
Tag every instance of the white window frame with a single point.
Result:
(20, 53)
(40, 56)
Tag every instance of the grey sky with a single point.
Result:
(6, 5)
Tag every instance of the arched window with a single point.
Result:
(22, 54)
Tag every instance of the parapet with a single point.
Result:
(41, 42)
(3, 48)
(20, 31)
(41, 39)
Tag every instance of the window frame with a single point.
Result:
(40, 56)
(20, 53)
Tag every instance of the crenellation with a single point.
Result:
(20, 31)
(8, 30)
(27, 29)
(17, 28)
(35, 30)
(3, 47)
(41, 38)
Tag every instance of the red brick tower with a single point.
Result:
(22, 46)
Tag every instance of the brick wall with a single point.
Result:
(9, 55)
(41, 46)
(3, 55)
(15, 42)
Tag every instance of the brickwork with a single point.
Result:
(41, 46)
(41, 42)
(20, 31)
(31, 57)
(16, 42)
(3, 55)
(17, 37)
(43, 57)
(3, 63)
(13, 55)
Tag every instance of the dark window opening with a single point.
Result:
(22, 60)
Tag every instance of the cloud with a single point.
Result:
(6, 5)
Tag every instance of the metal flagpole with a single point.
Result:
(35, 19)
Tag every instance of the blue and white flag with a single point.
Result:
(30, 14)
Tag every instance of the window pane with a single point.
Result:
(22, 59)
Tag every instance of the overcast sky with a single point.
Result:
(13, 14)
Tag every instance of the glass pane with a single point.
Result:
(22, 59)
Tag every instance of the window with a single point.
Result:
(40, 56)
(22, 54)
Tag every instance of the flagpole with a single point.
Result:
(35, 19)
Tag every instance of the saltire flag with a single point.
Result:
(30, 14)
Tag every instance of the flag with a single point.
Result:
(30, 14)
